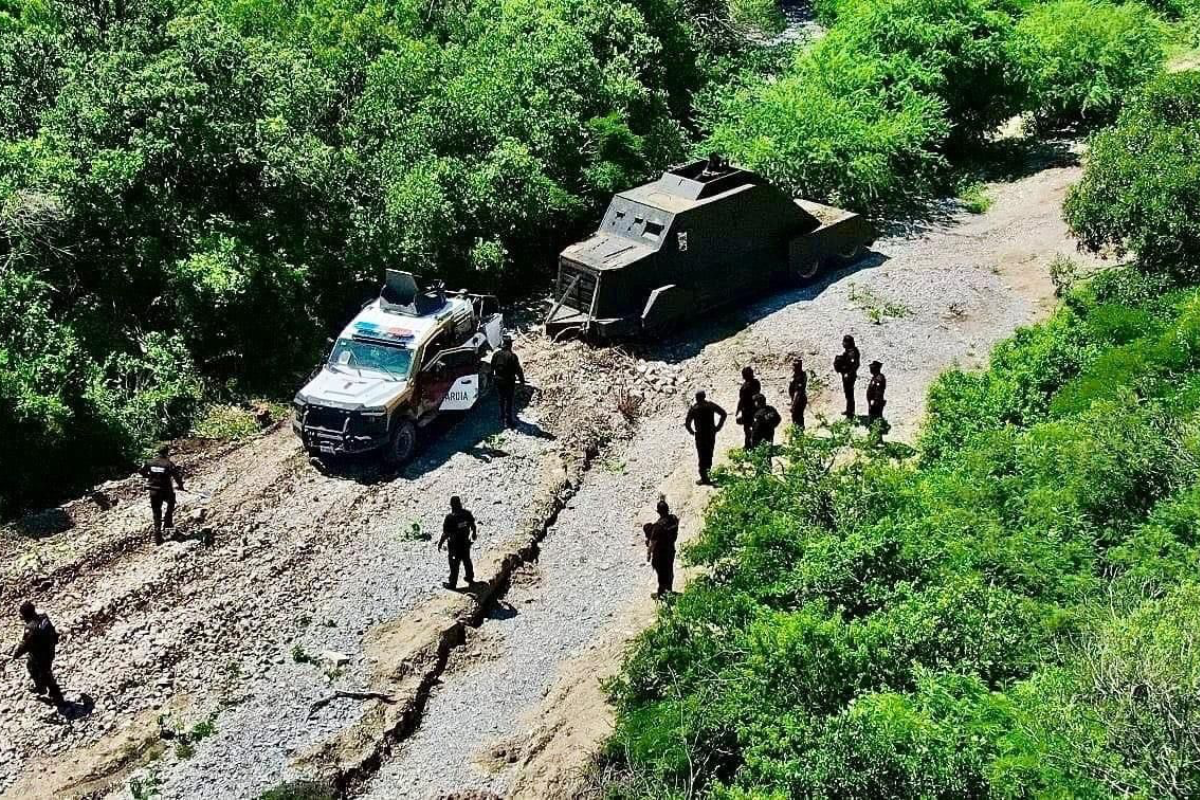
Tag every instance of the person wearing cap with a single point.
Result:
(745, 407)
(766, 420)
(798, 393)
(162, 476)
(37, 645)
(506, 367)
(661, 536)
(704, 419)
(875, 393)
(458, 532)
(846, 364)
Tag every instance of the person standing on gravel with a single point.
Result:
(766, 420)
(798, 393)
(160, 473)
(846, 364)
(875, 394)
(745, 407)
(458, 531)
(37, 645)
(506, 366)
(704, 419)
(660, 548)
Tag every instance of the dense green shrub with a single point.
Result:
(873, 629)
(204, 189)
(1082, 58)
(1140, 190)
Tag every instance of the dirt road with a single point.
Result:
(253, 630)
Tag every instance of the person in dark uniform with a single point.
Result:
(37, 645)
(875, 393)
(846, 364)
(458, 531)
(745, 406)
(704, 419)
(162, 476)
(506, 366)
(798, 393)
(660, 548)
(766, 420)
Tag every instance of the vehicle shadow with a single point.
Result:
(685, 343)
(477, 433)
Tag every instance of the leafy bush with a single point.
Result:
(1081, 59)
(1140, 190)
(974, 625)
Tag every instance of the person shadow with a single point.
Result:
(72, 710)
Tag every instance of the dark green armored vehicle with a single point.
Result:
(703, 235)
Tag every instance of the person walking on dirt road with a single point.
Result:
(745, 407)
(660, 548)
(37, 645)
(798, 393)
(766, 420)
(846, 364)
(506, 366)
(704, 419)
(875, 394)
(160, 473)
(458, 531)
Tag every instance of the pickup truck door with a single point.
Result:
(450, 381)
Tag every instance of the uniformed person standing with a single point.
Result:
(458, 531)
(162, 476)
(798, 393)
(660, 548)
(766, 420)
(745, 407)
(875, 393)
(846, 364)
(37, 645)
(506, 367)
(704, 419)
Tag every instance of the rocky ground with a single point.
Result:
(271, 618)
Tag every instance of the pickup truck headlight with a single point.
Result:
(373, 420)
(298, 405)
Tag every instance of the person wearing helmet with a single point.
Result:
(660, 548)
(846, 364)
(506, 367)
(38, 644)
(704, 419)
(875, 393)
(745, 407)
(458, 532)
(162, 476)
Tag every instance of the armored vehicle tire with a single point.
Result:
(402, 444)
(806, 272)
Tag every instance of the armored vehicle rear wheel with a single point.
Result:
(403, 443)
(805, 272)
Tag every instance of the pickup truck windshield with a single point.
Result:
(393, 362)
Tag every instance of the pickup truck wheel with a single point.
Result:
(403, 443)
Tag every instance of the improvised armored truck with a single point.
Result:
(701, 236)
(404, 359)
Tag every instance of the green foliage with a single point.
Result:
(1082, 58)
(299, 790)
(193, 194)
(1003, 618)
(1140, 190)
(975, 198)
(757, 16)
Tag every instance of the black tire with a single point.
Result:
(403, 443)
(806, 273)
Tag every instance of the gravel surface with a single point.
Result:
(296, 547)
(954, 295)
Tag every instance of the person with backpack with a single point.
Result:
(661, 536)
(37, 645)
(766, 420)
(846, 364)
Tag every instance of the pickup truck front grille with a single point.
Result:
(325, 418)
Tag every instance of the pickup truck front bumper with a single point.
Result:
(333, 431)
